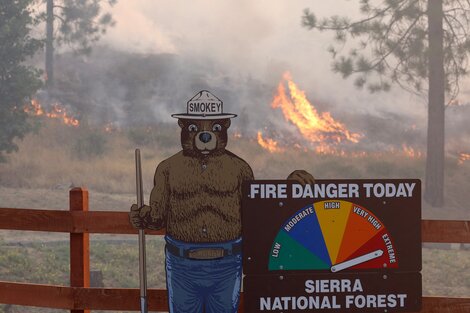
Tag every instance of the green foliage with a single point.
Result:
(344, 66)
(36, 263)
(82, 22)
(393, 44)
(18, 82)
(79, 22)
(48, 262)
(309, 20)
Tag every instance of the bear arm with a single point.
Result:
(247, 172)
(159, 200)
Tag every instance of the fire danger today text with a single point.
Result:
(348, 294)
(332, 190)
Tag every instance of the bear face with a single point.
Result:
(203, 138)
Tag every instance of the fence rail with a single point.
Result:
(80, 298)
(104, 222)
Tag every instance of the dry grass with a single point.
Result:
(58, 156)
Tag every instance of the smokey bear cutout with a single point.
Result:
(197, 198)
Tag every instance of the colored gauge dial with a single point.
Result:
(335, 236)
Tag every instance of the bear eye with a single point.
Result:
(192, 128)
(217, 127)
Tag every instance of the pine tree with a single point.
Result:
(79, 24)
(420, 45)
(18, 81)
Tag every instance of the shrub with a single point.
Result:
(142, 136)
(89, 145)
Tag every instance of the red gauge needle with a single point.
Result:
(358, 260)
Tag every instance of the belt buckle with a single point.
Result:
(206, 253)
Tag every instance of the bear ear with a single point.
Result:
(181, 123)
(226, 123)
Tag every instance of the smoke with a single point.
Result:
(139, 89)
(160, 54)
(258, 39)
(129, 89)
(135, 32)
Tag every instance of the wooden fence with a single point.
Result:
(80, 298)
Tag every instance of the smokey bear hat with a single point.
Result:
(204, 106)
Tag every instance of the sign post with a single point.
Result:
(334, 246)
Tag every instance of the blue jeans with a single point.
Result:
(203, 286)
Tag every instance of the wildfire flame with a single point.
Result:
(329, 136)
(464, 157)
(323, 148)
(411, 152)
(269, 144)
(110, 127)
(315, 127)
(319, 128)
(57, 112)
(237, 135)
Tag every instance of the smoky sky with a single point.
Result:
(259, 39)
(161, 53)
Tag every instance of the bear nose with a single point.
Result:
(205, 137)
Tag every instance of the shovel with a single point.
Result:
(142, 258)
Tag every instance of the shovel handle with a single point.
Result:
(142, 256)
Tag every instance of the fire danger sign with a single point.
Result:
(341, 245)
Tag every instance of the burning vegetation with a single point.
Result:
(320, 130)
(268, 144)
(322, 134)
(315, 127)
(57, 111)
(310, 129)
(463, 157)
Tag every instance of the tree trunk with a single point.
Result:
(434, 181)
(50, 45)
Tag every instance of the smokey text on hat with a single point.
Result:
(204, 105)
(201, 107)
(204, 102)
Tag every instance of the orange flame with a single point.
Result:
(110, 127)
(319, 128)
(464, 157)
(313, 126)
(411, 152)
(323, 148)
(269, 144)
(57, 112)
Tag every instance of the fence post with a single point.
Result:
(79, 246)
